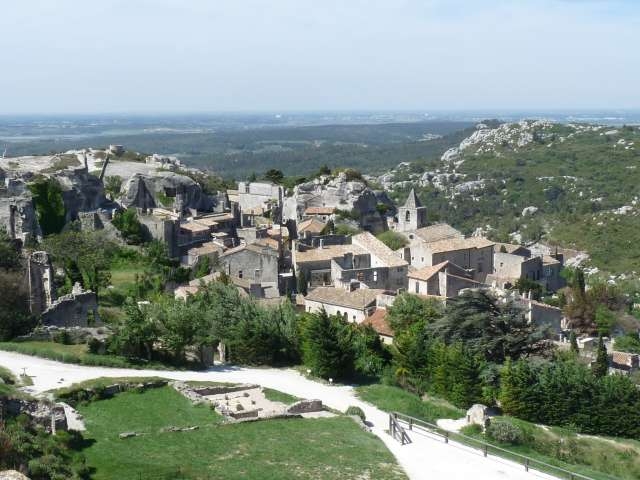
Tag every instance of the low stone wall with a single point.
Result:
(222, 389)
(108, 391)
(306, 406)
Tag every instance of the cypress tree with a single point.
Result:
(302, 283)
(574, 342)
(600, 367)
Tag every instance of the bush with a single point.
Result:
(63, 337)
(95, 346)
(504, 432)
(353, 410)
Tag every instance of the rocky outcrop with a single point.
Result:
(165, 189)
(81, 191)
(50, 416)
(342, 194)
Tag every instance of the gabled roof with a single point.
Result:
(453, 244)
(312, 225)
(260, 249)
(425, 273)
(377, 249)
(412, 200)
(319, 210)
(358, 299)
(378, 320)
(439, 231)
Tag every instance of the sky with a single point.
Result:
(153, 56)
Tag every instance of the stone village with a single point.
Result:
(274, 244)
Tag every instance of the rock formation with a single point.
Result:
(342, 194)
(165, 189)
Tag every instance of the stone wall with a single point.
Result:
(40, 282)
(77, 309)
(41, 413)
(306, 406)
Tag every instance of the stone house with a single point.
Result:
(353, 304)
(254, 263)
(473, 253)
(623, 362)
(322, 214)
(442, 280)
(512, 262)
(315, 263)
(311, 227)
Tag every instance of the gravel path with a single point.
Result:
(427, 457)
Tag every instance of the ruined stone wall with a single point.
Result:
(40, 282)
(77, 309)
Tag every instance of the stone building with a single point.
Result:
(254, 264)
(40, 273)
(442, 280)
(412, 215)
(76, 309)
(513, 262)
(352, 303)
(474, 253)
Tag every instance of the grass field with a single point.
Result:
(77, 354)
(390, 399)
(328, 448)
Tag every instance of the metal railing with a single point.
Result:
(488, 448)
(397, 431)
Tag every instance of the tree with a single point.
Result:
(274, 176)
(50, 208)
(112, 185)
(326, 346)
(628, 343)
(493, 330)
(573, 341)
(178, 324)
(129, 226)
(408, 309)
(202, 267)
(84, 255)
(393, 240)
(605, 320)
(136, 334)
(15, 318)
(302, 283)
(525, 285)
(9, 254)
(600, 367)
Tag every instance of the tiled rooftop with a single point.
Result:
(378, 249)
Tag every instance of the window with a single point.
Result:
(479, 268)
(407, 217)
(417, 287)
(354, 318)
(375, 275)
(239, 273)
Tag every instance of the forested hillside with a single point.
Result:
(573, 185)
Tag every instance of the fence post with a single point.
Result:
(410, 423)
(446, 436)
(526, 465)
(485, 449)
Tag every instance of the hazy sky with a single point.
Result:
(60, 56)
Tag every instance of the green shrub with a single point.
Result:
(504, 432)
(353, 410)
(63, 337)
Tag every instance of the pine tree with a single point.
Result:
(600, 367)
(574, 342)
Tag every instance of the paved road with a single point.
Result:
(426, 457)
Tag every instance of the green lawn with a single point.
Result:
(75, 354)
(278, 396)
(328, 448)
(391, 399)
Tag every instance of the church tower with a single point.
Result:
(412, 215)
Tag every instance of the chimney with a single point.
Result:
(322, 243)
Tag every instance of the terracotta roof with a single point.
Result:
(549, 260)
(312, 225)
(624, 358)
(357, 299)
(436, 232)
(412, 200)
(378, 249)
(378, 320)
(319, 210)
(425, 273)
(327, 253)
(452, 244)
